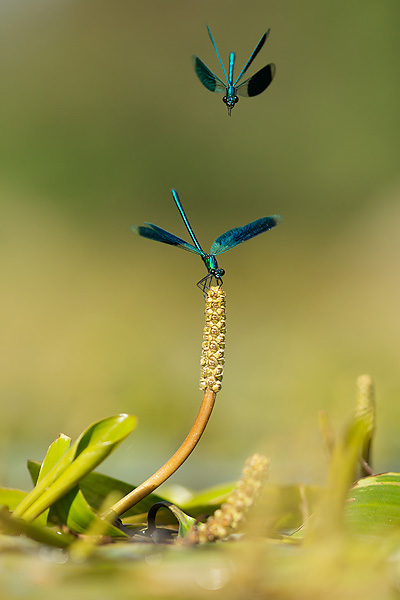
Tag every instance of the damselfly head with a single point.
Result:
(218, 273)
(230, 102)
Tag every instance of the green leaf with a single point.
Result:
(74, 511)
(157, 534)
(11, 497)
(185, 521)
(56, 451)
(91, 448)
(85, 546)
(96, 486)
(373, 505)
(207, 501)
(12, 526)
(34, 469)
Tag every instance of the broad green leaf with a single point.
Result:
(85, 545)
(74, 511)
(56, 451)
(207, 501)
(373, 505)
(12, 526)
(11, 498)
(185, 521)
(34, 469)
(91, 448)
(96, 486)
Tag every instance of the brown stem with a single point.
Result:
(164, 472)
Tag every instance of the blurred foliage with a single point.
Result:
(100, 115)
(260, 557)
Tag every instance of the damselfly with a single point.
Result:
(224, 242)
(253, 86)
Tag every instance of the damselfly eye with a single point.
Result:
(225, 99)
(236, 99)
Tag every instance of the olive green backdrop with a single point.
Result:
(101, 114)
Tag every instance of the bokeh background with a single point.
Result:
(101, 114)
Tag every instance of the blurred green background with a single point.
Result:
(101, 114)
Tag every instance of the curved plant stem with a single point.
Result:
(173, 463)
(212, 361)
